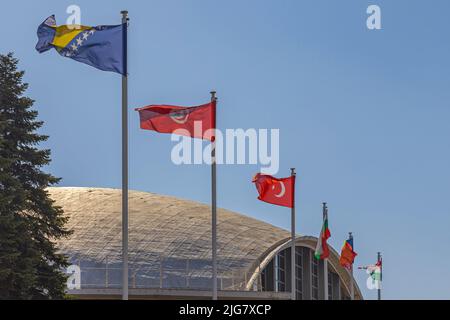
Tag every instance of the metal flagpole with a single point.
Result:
(125, 160)
(381, 275)
(214, 208)
(352, 280)
(293, 277)
(325, 261)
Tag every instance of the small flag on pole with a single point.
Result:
(101, 47)
(275, 191)
(347, 254)
(322, 251)
(374, 272)
(196, 122)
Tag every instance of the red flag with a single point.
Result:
(195, 122)
(322, 250)
(274, 190)
(347, 254)
(379, 263)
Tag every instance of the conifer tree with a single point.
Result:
(30, 223)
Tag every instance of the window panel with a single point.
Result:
(298, 273)
(281, 271)
(314, 278)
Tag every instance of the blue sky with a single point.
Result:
(363, 115)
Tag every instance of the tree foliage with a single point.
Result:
(30, 223)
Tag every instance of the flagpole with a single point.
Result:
(293, 277)
(214, 207)
(125, 160)
(381, 275)
(325, 261)
(352, 280)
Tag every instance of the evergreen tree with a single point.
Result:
(30, 223)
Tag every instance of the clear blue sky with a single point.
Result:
(364, 115)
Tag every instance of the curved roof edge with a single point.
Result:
(309, 242)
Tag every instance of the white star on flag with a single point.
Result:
(79, 41)
(74, 47)
(51, 22)
(85, 35)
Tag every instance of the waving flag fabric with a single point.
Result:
(347, 254)
(322, 250)
(196, 122)
(374, 272)
(101, 47)
(275, 191)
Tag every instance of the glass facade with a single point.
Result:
(330, 285)
(281, 271)
(276, 276)
(299, 273)
(314, 278)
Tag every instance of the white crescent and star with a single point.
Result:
(283, 190)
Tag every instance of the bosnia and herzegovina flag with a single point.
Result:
(101, 47)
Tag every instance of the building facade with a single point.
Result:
(170, 251)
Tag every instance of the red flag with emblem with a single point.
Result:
(195, 122)
(274, 190)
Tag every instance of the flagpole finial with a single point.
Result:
(213, 94)
(293, 171)
(324, 209)
(125, 17)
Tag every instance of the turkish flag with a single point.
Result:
(274, 190)
(194, 122)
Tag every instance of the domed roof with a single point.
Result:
(169, 241)
(159, 227)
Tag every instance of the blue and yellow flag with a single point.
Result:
(101, 47)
